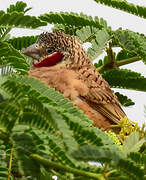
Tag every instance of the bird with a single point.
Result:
(61, 62)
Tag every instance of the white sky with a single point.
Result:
(115, 19)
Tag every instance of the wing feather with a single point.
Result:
(101, 97)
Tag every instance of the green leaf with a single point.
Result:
(71, 19)
(123, 78)
(87, 33)
(33, 111)
(70, 113)
(51, 143)
(18, 19)
(76, 28)
(45, 175)
(124, 54)
(133, 143)
(101, 62)
(3, 173)
(124, 100)
(4, 33)
(22, 42)
(133, 42)
(36, 113)
(11, 57)
(18, 7)
(7, 50)
(138, 158)
(130, 170)
(59, 152)
(99, 44)
(76, 120)
(125, 6)
(101, 154)
(24, 146)
(71, 30)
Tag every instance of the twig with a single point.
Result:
(109, 65)
(57, 166)
(128, 61)
(10, 163)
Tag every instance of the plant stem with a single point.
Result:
(110, 65)
(111, 60)
(110, 53)
(58, 166)
(110, 172)
(10, 163)
(127, 61)
(57, 174)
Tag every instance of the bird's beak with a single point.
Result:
(32, 51)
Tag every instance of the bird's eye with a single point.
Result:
(49, 50)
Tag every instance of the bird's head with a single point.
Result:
(56, 48)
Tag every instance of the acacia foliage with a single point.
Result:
(41, 132)
(125, 6)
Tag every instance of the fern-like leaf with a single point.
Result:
(124, 54)
(71, 19)
(124, 100)
(124, 78)
(8, 116)
(101, 154)
(66, 29)
(23, 143)
(3, 165)
(4, 33)
(77, 30)
(11, 57)
(125, 6)
(101, 62)
(60, 153)
(4, 155)
(18, 7)
(77, 121)
(133, 143)
(3, 173)
(138, 158)
(35, 114)
(133, 171)
(22, 42)
(54, 143)
(133, 42)
(57, 116)
(87, 33)
(99, 44)
(18, 19)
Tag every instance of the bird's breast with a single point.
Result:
(64, 80)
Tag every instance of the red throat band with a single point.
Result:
(50, 61)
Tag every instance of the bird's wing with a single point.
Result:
(100, 96)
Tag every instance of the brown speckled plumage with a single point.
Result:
(77, 79)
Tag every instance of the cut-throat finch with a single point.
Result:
(60, 61)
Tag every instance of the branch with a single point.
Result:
(110, 65)
(110, 53)
(10, 163)
(128, 61)
(58, 166)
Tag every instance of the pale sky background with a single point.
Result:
(115, 19)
